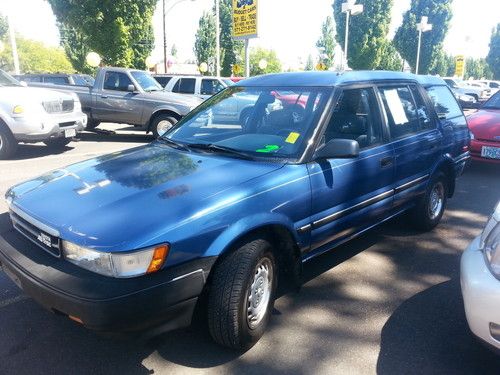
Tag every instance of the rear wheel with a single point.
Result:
(8, 144)
(430, 207)
(241, 296)
(162, 124)
(58, 142)
(92, 124)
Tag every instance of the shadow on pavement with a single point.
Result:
(37, 150)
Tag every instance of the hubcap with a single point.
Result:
(163, 127)
(1, 142)
(259, 293)
(436, 200)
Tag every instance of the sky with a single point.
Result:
(290, 27)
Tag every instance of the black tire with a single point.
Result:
(428, 212)
(230, 292)
(92, 124)
(8, 144)
(158, 120)
(58, 142)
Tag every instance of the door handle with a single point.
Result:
(385, 162)
(104, 96)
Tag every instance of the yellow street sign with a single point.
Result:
(320, 66)
(244, 19)
(459, 66)
(237, 70)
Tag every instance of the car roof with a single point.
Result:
(330, 79)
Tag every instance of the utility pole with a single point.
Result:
(164, 41)
(350, 8)
(217, 39)
(422, 27)
(13, 45)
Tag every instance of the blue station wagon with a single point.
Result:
(217, 212)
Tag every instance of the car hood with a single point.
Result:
(122, 198)
(173, 98)
(20, 94)
(485, 124)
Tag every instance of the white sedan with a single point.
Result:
(480, 280)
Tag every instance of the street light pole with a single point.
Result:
(217, 39)
(13, 45)
(350, 8)
(422, 27)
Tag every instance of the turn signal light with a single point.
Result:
(158, 260)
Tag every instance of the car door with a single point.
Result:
(115, 103)
(209, 87)
(185, 86)
(414, 136)
(350, 195)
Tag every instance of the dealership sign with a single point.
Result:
(244, 19)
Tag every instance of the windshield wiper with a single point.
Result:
(173, 143)
(218, 148)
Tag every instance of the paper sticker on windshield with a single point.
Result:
(292, 137)
(268, 148)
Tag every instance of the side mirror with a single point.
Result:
(338, 148)
(131, 88)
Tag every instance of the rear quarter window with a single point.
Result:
(444, 102)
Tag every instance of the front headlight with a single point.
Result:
(121, 265)
(490, 242)
(18, 110)
(77, 104)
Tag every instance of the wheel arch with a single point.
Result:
(446, 166)
(162, 111)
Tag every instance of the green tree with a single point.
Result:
(493, 58)
(273, 62)
(173, 50)
(120, 31)
(367, 32)
(309, 63)
(389, 58)
(228, 46)
(326, 43)
(204, 44)
(406, 38)
(76, 47)
(35, 57)
(477, 69)
(4, 27)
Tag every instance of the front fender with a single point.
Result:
(246, 225)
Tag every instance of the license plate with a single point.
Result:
(11, 276)
(490, 152)
(68, 133)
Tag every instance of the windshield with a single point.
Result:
(146, 81)
(7, 80)
(227, 81)
(253, 121)
(493, 102)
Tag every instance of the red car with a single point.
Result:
(484, 126)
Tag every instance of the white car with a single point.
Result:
(480, 281)
(494, 86)
(31, 114)
(201, 86)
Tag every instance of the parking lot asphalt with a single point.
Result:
(388, 302)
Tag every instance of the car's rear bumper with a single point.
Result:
(167, 298)
(481, 294)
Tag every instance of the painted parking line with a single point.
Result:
(11, 301)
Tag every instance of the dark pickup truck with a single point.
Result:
(132, 97)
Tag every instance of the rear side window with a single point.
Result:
(163, 80)
(402, 115)
(185, 86)
(56, 80)
(444, 102)
(116, 81)
(210, 86)
(422, 110)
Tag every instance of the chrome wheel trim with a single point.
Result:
(259, 292)
(436, 200)
(1, 141)
(163, 127)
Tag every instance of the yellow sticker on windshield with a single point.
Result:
(292, 137)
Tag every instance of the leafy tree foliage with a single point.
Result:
(309, 63)
(4, 26)
(120, 31)
(477, 69)
(406, 38)
(228, 46)
(389, 58)
(493, 57)
(367, 32)
(35, 57)
(204, 45)
(76, 47)
(326, 43)
(273, 62)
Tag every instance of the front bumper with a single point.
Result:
(476, 147)
(37, 129)
(481, 294)
(167, 298)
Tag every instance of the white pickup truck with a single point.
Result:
(30, 114)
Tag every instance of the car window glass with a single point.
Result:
(210, 86)
(357, 117)
(116, 81)
(163, 80)
(187, 85)
(401, 111)
(177, 86)
(80, 81)
(444, 102)
(494, 85)
(422, 110)
(56, 80)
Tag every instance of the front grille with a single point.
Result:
(59, 106)
(46, 241)
(66, 124)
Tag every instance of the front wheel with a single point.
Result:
(162, 124)
(241, 296)
(8, 144)
(430, 207)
